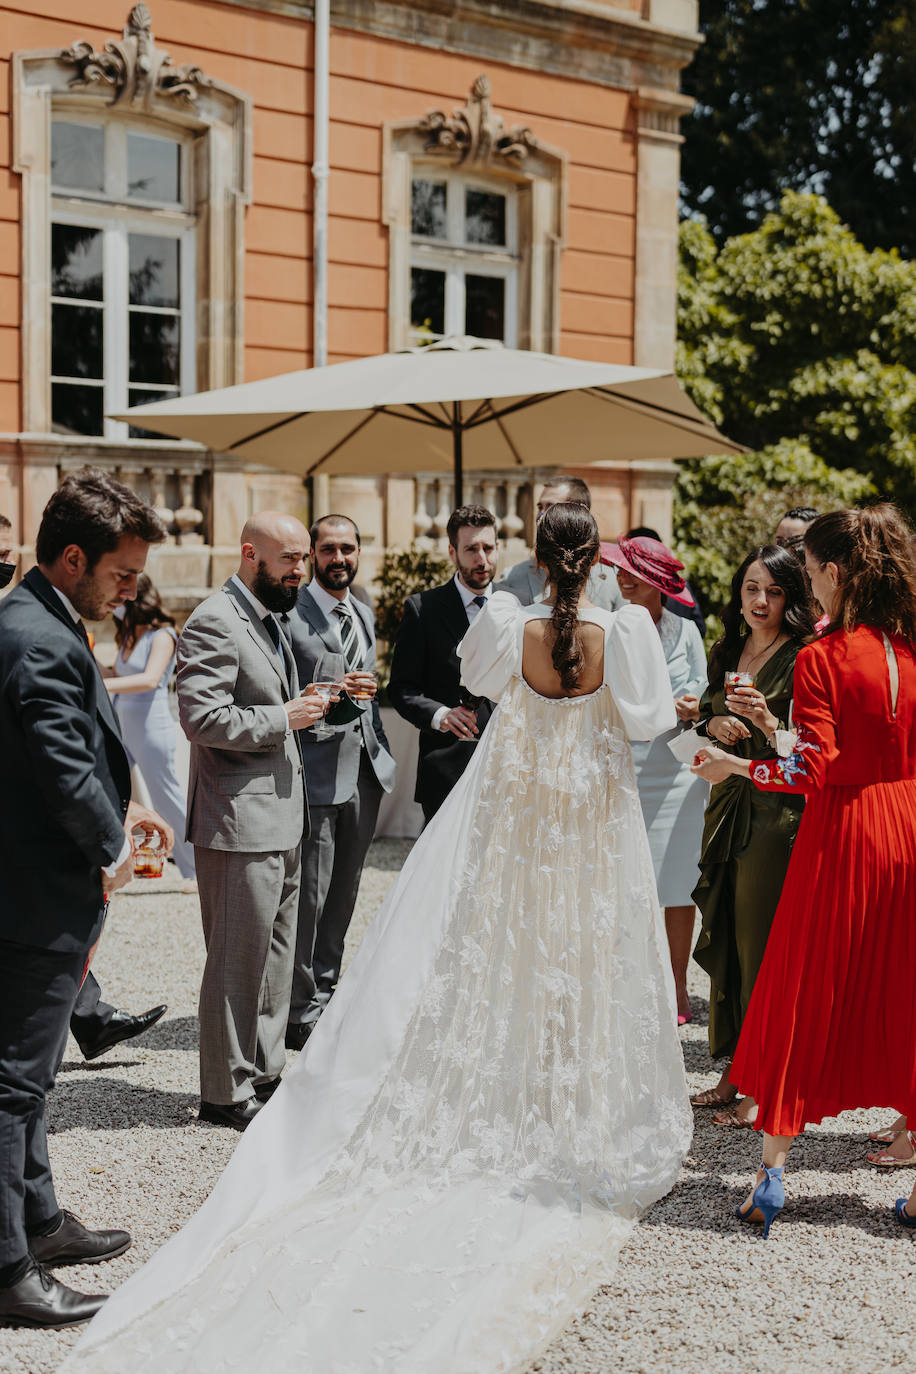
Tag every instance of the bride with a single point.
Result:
(450, 1170)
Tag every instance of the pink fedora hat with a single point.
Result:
(651, 561)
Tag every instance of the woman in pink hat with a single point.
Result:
(672, 803)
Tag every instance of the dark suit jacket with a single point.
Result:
(425, 674)
(66, 778)
(332, 765)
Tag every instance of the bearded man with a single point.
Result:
(346, 772)
(240, 707)
(425, 686)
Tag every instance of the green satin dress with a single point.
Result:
(747, 839)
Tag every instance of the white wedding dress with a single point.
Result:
(494, 1093)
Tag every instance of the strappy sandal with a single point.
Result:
(885, 1160)
(713, 1097)
(888, 1135)
(730, 1117)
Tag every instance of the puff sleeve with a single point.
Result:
(636, 671)
(491, 651)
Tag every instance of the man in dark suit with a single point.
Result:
(65, 821)
(425, 670)
(345, 775)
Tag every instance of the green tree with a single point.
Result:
(809, 95)
(799, 343)
(401, 573)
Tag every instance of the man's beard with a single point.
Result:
(472, 578)
(334, 581)
(273, 593)
(88, 599)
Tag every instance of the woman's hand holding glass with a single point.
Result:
(750, 703)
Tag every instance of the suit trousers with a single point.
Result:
(332, 864)
(38, 989)
(90, 1013)
(248, 905)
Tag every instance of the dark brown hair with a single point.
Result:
(93, 511)
(478, 517)
(797, 616)
(566, 544)
(146, 610)
(875, 552)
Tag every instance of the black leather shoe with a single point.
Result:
(39, 1300)
(296, 1036)
(74, 1243)
(238, 1115)
(265, 1091)
(121, 1026)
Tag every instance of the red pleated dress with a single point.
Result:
(831, 1023)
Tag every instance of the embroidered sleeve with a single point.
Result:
(804, 766)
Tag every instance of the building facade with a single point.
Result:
(508, 170)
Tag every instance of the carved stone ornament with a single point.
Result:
(475, 134)
(136, 70)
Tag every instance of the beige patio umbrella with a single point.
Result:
(460, 403)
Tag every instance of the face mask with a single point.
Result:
(6, 573)
(119, 612)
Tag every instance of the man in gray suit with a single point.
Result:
(239, 704)
(345, 775)
(526, 580)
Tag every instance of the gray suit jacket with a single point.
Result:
(332, 765)
(246, 788)
(526, 581)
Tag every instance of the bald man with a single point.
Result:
(239, 705)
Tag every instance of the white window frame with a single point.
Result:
(457, 258)
(116, 216)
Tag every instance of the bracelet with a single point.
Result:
(702, 728)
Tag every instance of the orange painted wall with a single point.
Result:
(372, 80)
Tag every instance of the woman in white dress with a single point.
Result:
(673, 806)
(496, 1089)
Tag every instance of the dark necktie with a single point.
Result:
(349, 639)
(279, 641)
(480, 601)
(273, 629)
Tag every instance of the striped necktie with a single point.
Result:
(348, 637)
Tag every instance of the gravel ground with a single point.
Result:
(832, 1289)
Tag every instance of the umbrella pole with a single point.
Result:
(458, 455)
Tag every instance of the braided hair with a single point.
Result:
(566, 545)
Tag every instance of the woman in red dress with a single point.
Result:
(832, 1020)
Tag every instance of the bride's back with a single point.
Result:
(564, 656)
(537, 660)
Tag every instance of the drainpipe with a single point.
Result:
(320, 178)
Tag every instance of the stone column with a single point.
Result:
(658, 173)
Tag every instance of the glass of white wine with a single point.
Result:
(329, 669)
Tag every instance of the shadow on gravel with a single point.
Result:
(179, 1033)
(697, 1060)
(389, 856)
(110, 1104)
(701, 1205)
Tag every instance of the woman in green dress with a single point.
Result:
(748, 834)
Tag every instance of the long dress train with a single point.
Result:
(494, 1093)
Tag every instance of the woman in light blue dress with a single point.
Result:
(672, 804)
(146, 640)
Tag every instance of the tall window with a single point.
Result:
(464, 257)
(122, 272)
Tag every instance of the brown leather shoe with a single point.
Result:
(39, 1300)
(74, 1243)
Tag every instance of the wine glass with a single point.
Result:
(329, 669)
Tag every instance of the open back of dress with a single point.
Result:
(495, 1091)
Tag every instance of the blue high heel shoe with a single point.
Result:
(903, 1215)
(768, 1199)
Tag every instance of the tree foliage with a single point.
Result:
(809, 95)
(400, 574)
(800, 343)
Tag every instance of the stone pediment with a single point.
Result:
(133, 68)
